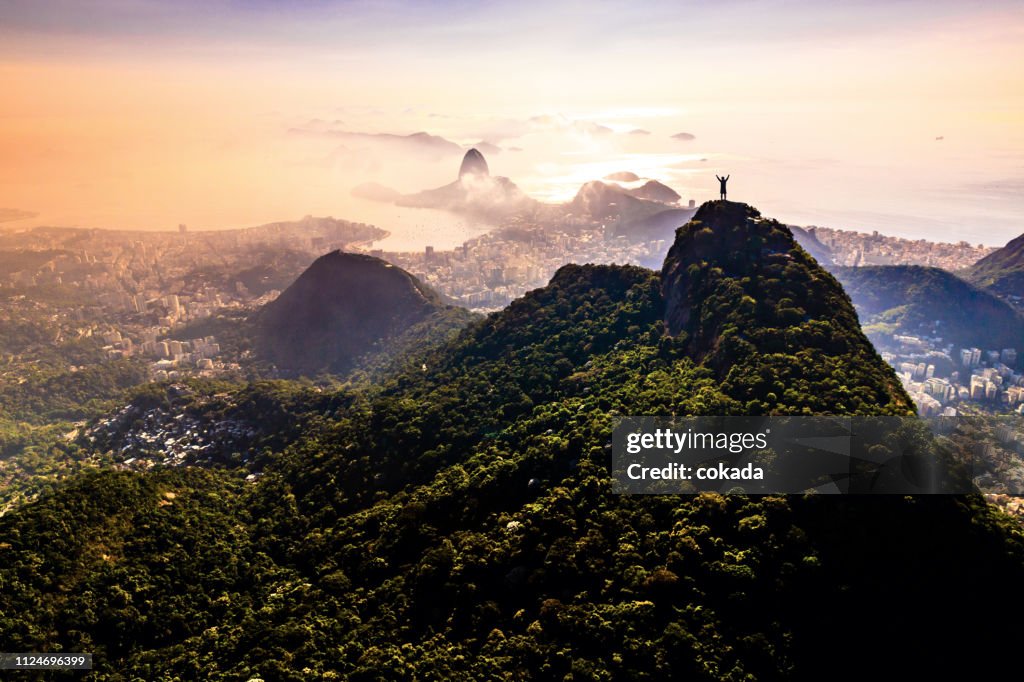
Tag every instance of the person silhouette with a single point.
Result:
(722, 181)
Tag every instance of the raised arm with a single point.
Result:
(717, 178)
(727, 178)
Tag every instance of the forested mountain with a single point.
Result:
(458, 522)
(1001, 271)
(779, 328)
(812, 245)
(344, 307)
(913, 299)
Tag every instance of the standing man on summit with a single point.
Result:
(722, 181)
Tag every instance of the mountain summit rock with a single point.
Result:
(473, 163)
(476, 192)
(750, 303)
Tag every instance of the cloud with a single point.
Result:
(509, 129)
(485, 147)
(321, 125)
(415, 142)
(560, 123)
(622, 176)
(499, 130)
(374, 191)
(686, 137)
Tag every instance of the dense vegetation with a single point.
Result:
(780, 329)
(912, 299)
(268, 269)
(47, 384)
(344, 307)
(69, 394)
(1001, 271)
(457, 521)
(16, 260)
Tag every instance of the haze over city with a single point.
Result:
(900, 117)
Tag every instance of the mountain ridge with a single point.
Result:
(767, 303)
(926, 301)
(343, 307)
(1001, 271)
(458, 520)
(474, 191)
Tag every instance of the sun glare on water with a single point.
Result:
(559, 182)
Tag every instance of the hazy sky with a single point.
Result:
(118, 113)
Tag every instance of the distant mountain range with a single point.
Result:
(602, 201)
(964, 309)
(1001, 271)
(630, 211)
(475, 191)
(413, 143)
(925, 301)
(636, 214)
(416, 143)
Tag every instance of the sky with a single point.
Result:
(905, 117)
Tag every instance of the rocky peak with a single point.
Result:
(473, 163)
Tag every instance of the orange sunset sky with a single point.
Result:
(124, 114)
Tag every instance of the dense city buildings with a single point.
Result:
(862, 248)
(135, 292)
(489, 271)
(132, 290)
(942, 378)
